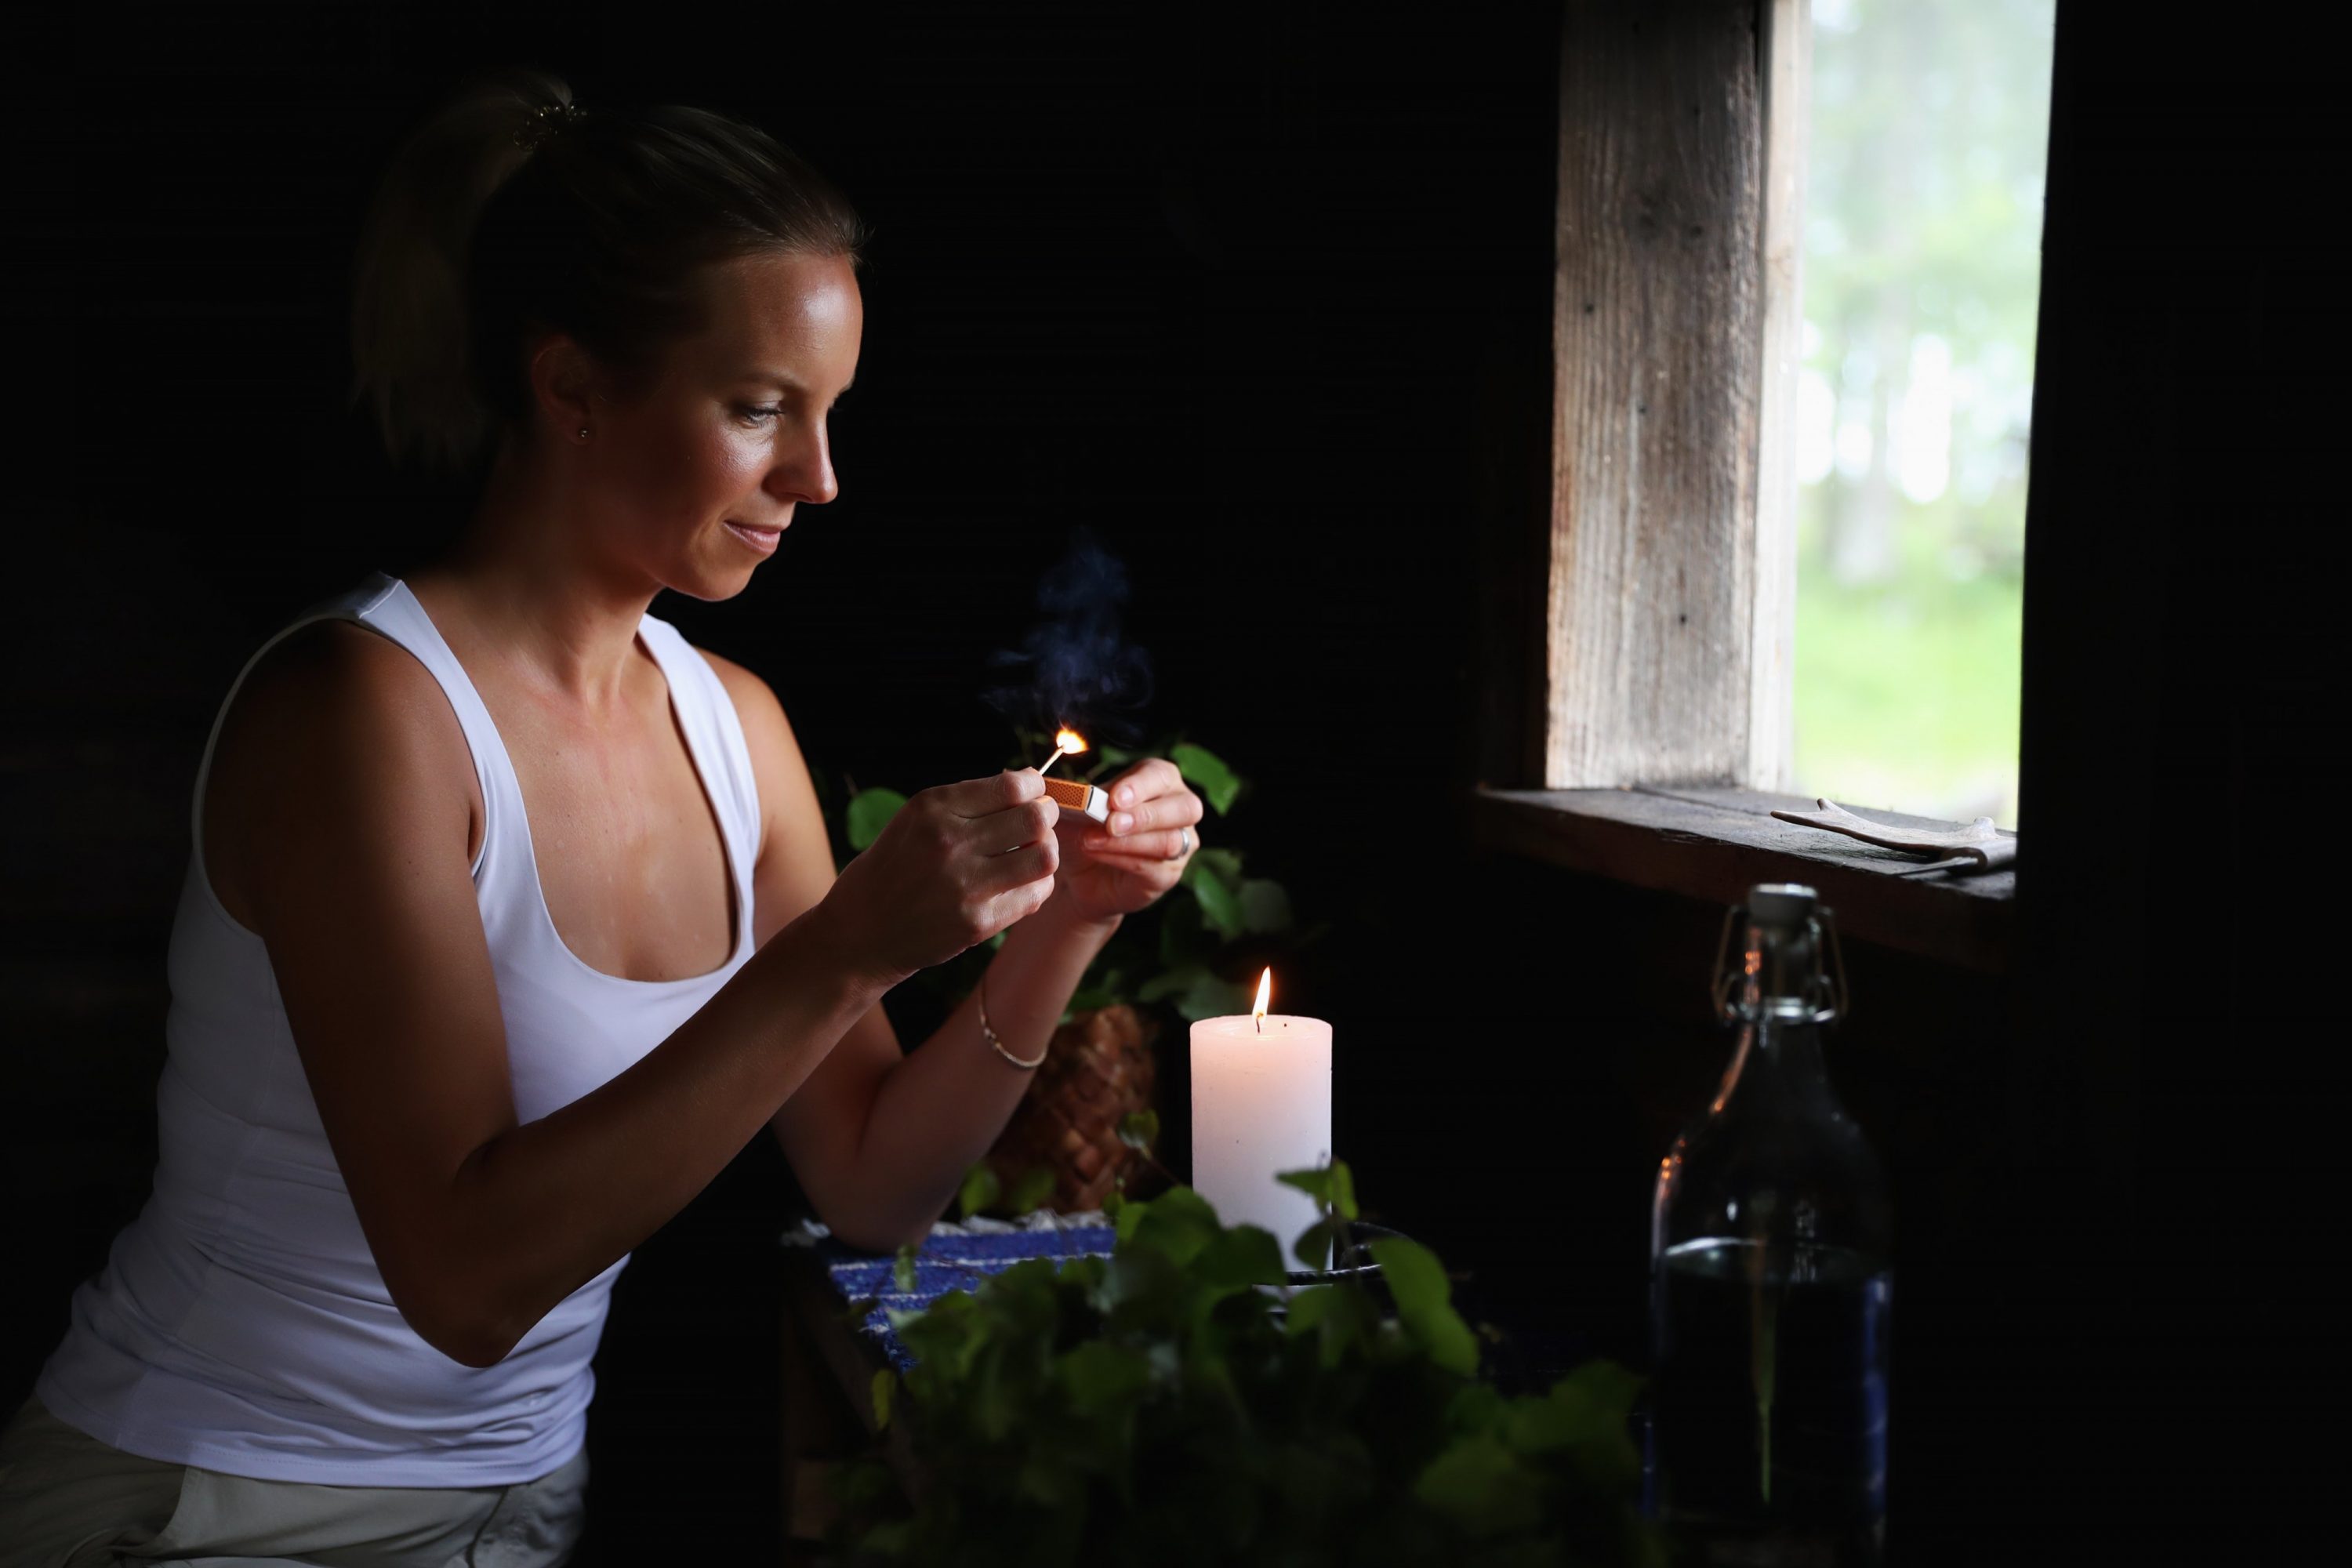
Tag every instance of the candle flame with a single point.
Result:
(1264, 992)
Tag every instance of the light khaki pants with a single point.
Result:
(67, 1501)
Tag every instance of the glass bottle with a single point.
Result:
(1771, 1278)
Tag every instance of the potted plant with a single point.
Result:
(1177, 1403)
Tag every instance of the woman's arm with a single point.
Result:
(354, 864)
(882, 1142)
(881, 1138)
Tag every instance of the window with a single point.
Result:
(1927, 142)
(1718, 414)
(1667, 621)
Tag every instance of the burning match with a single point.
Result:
(1068, 793)
(1066, 743)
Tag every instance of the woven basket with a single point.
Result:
(1099, 1069)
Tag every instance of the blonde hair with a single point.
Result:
(508, 212)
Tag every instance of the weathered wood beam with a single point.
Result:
(1668, 602)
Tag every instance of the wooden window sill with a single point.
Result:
(1714, 844)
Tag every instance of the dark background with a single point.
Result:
(1262, 298)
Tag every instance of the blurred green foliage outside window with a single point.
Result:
(1929, 134)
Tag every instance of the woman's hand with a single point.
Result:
(1115, 869)
(955, 866)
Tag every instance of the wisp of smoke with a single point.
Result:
(1075, 667)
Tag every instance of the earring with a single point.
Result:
(584, 432)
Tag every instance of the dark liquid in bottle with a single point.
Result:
(1768, 1425)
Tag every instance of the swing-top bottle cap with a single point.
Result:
(1783, 905)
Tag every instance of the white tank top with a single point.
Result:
(240, 1324)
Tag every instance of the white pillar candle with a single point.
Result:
(1261, 1103)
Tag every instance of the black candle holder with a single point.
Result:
(1354, 1262)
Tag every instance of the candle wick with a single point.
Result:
(1261, 1022)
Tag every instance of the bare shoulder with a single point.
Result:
(336, 660)
(755, 700)
(787, 805)
(335, 722)
(765, 728)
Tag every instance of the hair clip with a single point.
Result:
(545, 121)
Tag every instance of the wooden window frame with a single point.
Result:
(1653, 737)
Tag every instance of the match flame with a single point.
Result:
(1067, 742)
(1264, 991)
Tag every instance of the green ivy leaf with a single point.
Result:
(1313, 1247)
(1480, 1406)
(1266, 906)
(1139, 1130)
(1031, 1191)
(1333, 1187)
(870, 811)
(1424, 1303)
(1539, 1425)
(1174, 983)
(1596, 1404)
(980, 1188)
(1343, 1190)
(1246, 1255)
(1483, 1488)
(1143, 1290)
(1308, 1309)
(1221, 907)
(902, 1271)
(1209, 997)
(1098, 1375)
(1315, 1182)
(1603, 1388)
(1223, 865)
(1178, 1223)
(885, 1380)
(1206, 772)
(1341, 1317)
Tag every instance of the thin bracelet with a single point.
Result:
(982, 994)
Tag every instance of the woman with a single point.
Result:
(512, 917)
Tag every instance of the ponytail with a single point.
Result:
(510, 212)
(409, 330)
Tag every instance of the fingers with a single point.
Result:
(983, 797)
(1167, 845)
(1016, 826)
(1154, 875)
(1020, 884)
(1019, 869)
(1153, 798)
(1152, 776)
